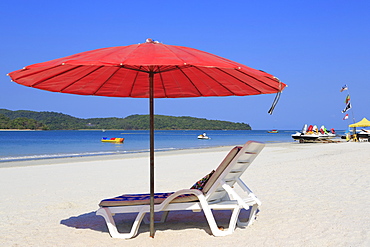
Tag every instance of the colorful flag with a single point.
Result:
(345, 87)
(348, 106)
(345, 117)
(347, 99)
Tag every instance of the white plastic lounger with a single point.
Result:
(213, 192)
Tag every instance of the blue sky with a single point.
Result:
(313, 46)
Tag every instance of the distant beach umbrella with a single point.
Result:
(148, 70)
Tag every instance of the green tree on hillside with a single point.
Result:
(58, 121)
(26, 123)
(4, 122)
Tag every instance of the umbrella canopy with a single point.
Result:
(148, 70)
(123, 72)
(363, 123)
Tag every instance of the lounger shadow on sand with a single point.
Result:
(177, 220)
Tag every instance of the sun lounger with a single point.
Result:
(214, 192)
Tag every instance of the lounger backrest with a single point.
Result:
(230, 171)
(227, 160)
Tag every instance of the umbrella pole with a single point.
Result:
(151, 106)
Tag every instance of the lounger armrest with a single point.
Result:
(187, 191)
(240, 200)
(248, 191)
(195, 192)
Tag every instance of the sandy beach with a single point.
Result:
(312, 195)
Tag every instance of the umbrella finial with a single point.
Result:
(149, 40)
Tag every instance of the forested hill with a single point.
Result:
(58, 121)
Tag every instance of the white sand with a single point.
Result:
(312, 195)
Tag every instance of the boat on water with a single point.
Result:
(113, 140)
(312, 133)
(272, 131)
(204, 136)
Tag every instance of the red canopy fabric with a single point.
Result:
(123, 72)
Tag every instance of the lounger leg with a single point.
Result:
(252, 215)
(163, 218)
(112, 228)
(211, 219)
(107, 215)
(233, 220)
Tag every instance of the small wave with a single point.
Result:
(51, 156)
(57, 156)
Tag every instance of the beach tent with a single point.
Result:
(363, 123)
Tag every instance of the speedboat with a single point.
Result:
(204, 136)
(310, 136)
(325, 134)
(113, 140)
(306, 134)
(312, 133)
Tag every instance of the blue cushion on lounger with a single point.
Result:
(144, 199)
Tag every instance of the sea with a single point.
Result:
(31, 145)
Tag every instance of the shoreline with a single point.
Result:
(19, 130)
(129, 155)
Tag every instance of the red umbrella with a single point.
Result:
(148, 70)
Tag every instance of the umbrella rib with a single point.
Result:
(133, 83)
(170, 68)
(61, 73)
(105, 81)
(241, 80)
(80, 78)
(164, 88)
(161, 79)
(35, 72)
(176, 55)
(132, 68)
(258, 80)
(214, 80)
(189, 80)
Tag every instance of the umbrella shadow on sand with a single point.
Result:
(179, 220)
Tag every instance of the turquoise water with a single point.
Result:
(26, 145)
